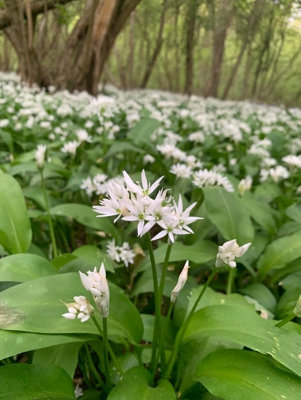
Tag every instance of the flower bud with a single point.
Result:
(80, 309)
(228, 251)
(181, 282)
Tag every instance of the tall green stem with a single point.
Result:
(285, 320)
(164, 271)
(92, 366)
(157, 328)
(105, 349)
(183, 328)
(230, 280)
(54, 248)
(109, 346)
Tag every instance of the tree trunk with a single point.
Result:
(157, 48)
(249, 34)
(190, 30)
(221, 25)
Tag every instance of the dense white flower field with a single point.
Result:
(152, 197)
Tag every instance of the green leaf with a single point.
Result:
(279, 253)
(259, 211)
(143, 130)
(24, 267)
(15, 230)
(294, 212)
(262, 294)
(242, 325)
(228, 213)
(93, 256)
(84, 215)
(135, 385)
(199, 253)
(32, 382)
(36, 306)
(121, 146)
(239, 374)
(292, 281)
(20, 342)
(62, 355)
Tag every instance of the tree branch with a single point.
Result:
(37, 7)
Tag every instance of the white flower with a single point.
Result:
(78, 392)
(146, 188)
(70, 147)
(278, 173)
(40, 155)
(244, 184)
(80, 309)
(170, 227)
(148, 159)
(96, 283)
(228, 251)
(83, 136)
(293, 161)
(121, 253)
(181, 170)
(183, 217)
(181, 282)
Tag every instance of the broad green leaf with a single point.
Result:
(242, 325)
(92, 255)
(32, 382)
(198, 253)
(193, 352)
(292, 281)
(15, 230)
(24, 267)
(84, 215)
(294, 212)
(135, 385)
(287, 302)
(120, 146)
(187, 298)
(279, 253)
(37, 306)
(262, 294)
(244, 375)
(143, 130)
(228, 213)
(19, 342)
(259, 211)
(64, 356)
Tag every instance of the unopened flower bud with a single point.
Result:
(96, 283)
(40, 155)
(181, 282)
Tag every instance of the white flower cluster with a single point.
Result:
(292, 161)
(204, 177)
(81, 309)
(95, 185)
(229, 251)
(132, 202)
(121, 253)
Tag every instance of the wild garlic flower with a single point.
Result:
(96, 283)
(40, 155)
(204, 177)
(81, 309)
(292, 160)
(121, 253)
(132, 202)
(181, 170)
(83, 136)
(244, 184)
(70, 147)
(181, 282)
(229, 251)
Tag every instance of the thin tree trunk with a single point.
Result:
(190, 30)
(221, 25)
(157, 48)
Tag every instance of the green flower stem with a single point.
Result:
(285, 320)
(157, 326)
(54, 248)
(183, 328)
(230, 280)
(164, 271)
(105, 349)
(101, 331)
(92, 366)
